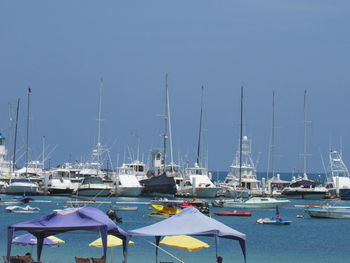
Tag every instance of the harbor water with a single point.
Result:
(305, 240)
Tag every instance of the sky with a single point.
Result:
(61, 50)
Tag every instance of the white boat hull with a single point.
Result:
(328, 212)
(18, 189)
(255, 205)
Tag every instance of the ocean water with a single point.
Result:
(305, 240)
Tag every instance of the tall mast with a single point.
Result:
(27, 137)
(165, 122)
(305, 132)
(43, 153)
(273, 136)
(200, 129)
(169, 124)
(241, 140)
(15, 139)
(98, 146)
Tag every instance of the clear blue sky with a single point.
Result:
(62, 48)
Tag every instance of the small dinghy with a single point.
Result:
(234, 213)
(126, 208)
(275, 220)
(22, 209)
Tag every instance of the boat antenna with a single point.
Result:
(15, 139)
(43, 154)
(305, 132)
(200, 128)
(27, 139)
(241, 140)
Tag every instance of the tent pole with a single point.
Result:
(216, 245)
(157, 244)
(9, 242)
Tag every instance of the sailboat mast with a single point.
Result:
(165, 122)
(27, 137)
(99, 124)
(305, 133)
(241, 140)
(273, 136)
(200, 129)
(15, 139)
(170, 134)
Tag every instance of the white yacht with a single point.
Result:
(338, 178)
(242, 173)
(93, 186)
(256, 202)
(139, 168)
(60, 183)
(198, 184)
(127, 183)
(21, 187)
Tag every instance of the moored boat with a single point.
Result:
(328, 211)
(255, 202)
(234, 213)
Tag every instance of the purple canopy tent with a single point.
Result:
(191, 222)
(86, 218)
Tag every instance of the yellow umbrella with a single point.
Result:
(184, 242)
(56, 239)
(112, 241)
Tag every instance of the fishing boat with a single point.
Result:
(328, 211)
(21, 186)
(60, 183)
(234, 213)
(127, 184)
(93, 186)
(22, 209)
(275, 220)
(256, 202)
(338, 177)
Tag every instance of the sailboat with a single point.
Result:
(303, 187)
(338, 177)
(198, 183)
(241, 180)
(167, 177)
(93, 184)
(22, 185)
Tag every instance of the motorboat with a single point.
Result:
(338, 177)
(126, 208)
(159, 185)
(328, 211)
(93, 186)
(198, 184)
(22, 209)
(304, 188)
(241, 178)
(275, 220)
(202, 206)
(256, 202)
(127, 184)
(60, 183)
(21, 187)
(233, 213)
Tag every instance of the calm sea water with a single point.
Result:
(305, 240)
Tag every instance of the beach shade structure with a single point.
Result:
(112, 241)
(56, 239)
(29, 239)
(85, 218)
(190, 222)
(184, 242)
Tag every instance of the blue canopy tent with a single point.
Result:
(191, 222)
(86, 218)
